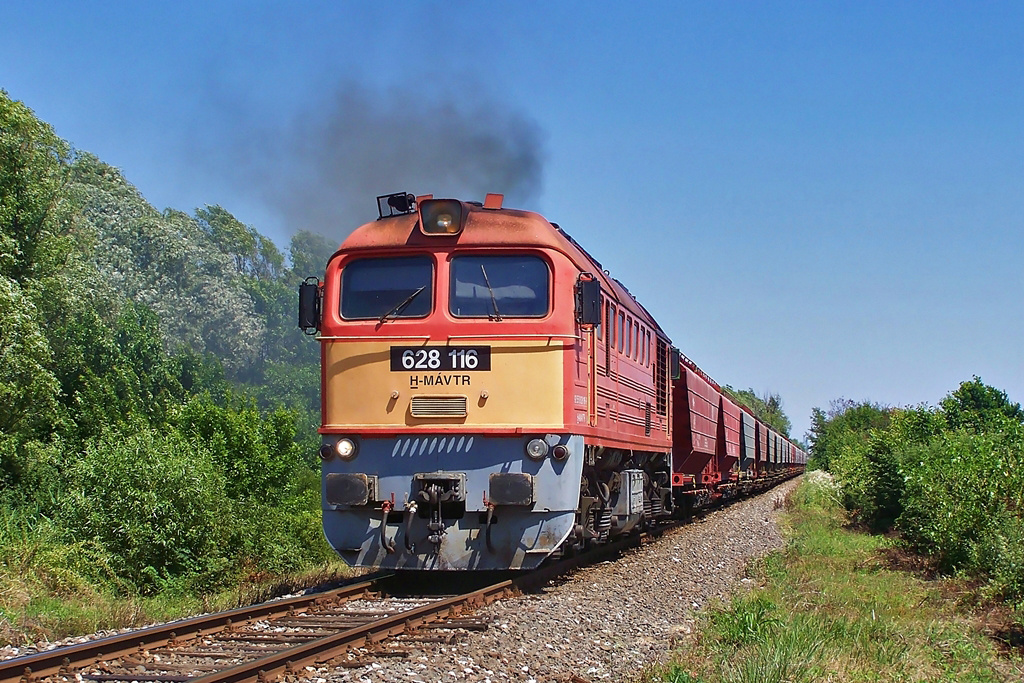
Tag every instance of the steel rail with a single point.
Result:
(327, 649)
(322, 650)
(41, 664)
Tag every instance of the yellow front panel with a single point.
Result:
(522, 388)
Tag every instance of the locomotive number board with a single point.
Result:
(440, 358)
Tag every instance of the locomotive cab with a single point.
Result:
(449, 334)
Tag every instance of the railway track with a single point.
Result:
(266, 642)
(259, 643)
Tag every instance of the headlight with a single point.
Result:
(440, 216)
(346, 449)
(537, 449)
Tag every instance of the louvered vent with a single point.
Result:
(438, 406)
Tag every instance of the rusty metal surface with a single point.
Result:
(43, 664)
(327, 648)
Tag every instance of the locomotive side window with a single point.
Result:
(611, 325)
(499, 287)
(619, 331)
(387, 287)
(629, 336)
(609, 320)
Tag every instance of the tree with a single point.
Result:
(28, 389)
(975, 406)
(172, 264)
(254, 255)
(846, 421)
(767, 409)
(309, 253)
(33, 172)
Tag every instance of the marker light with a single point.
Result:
(346, 449)
(537, 449)
(560, 452)
(326, 451)
(441, 216)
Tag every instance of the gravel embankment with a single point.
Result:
(605, 623)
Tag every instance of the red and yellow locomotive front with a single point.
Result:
(451, 361)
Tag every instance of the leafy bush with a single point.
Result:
(868, 471)
(964, 493)
(950, 480)
(281, 537)
(155, 502)
(845, 419)
(256, 452)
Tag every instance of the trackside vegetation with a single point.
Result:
(838, 605)
(947, 481)
(766, 408)
(157, 404)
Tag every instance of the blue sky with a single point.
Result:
(820, 200)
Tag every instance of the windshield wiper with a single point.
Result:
(397, 308)
(494, 302)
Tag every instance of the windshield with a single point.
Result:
(378, 287)
(499, 287)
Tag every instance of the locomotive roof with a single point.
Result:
(495, 228)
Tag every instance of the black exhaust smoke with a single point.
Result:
(323, 172)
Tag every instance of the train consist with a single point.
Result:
(491, 397)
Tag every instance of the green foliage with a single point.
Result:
(767, 409)
(170, 263)
(283, 537)
(29, 392)
(118, 324)
(154, 501)
(831, 432)
(950, 480)
(979, 407)
(116, 376)
(309, 253)
(33, 171)
(256, 452)
(964, 494)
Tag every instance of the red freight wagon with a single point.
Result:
(728, 438)
(695, 406)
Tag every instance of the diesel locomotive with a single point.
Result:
(491, 396)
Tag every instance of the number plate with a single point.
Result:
(440, 358)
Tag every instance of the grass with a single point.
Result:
(38, 615)
(833, 607)
(50, 589)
